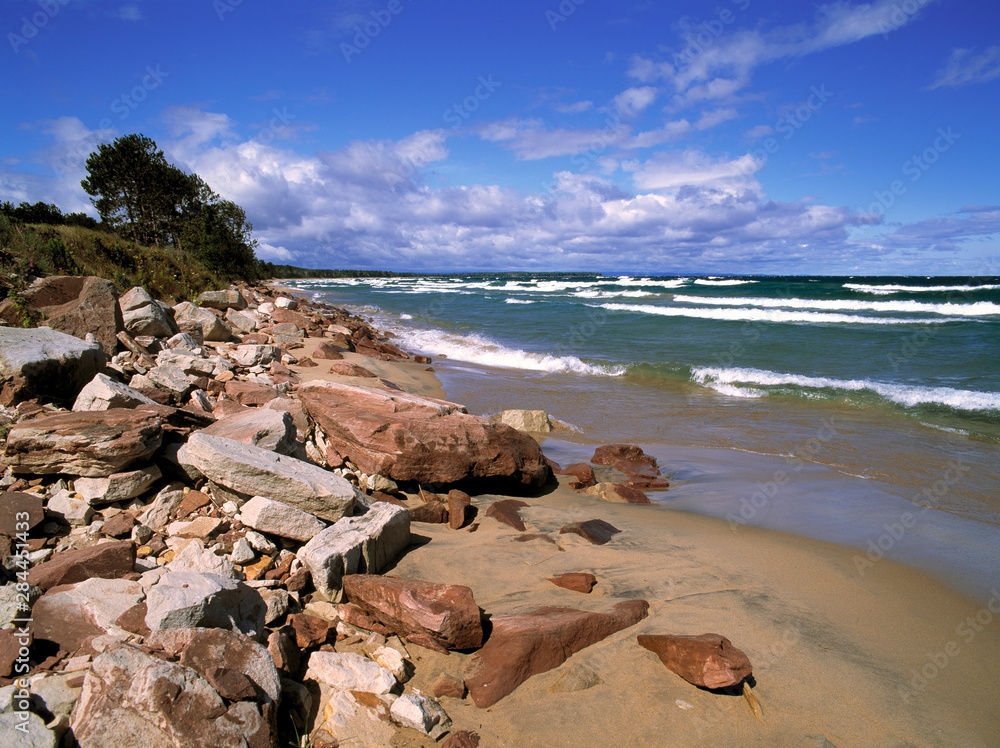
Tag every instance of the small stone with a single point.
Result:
(421, 713)
(449, 685)
(242, 553)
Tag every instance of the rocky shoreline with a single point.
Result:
(193, 530)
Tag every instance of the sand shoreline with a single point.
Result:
(887, 658)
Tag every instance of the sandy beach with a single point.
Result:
(890, 657)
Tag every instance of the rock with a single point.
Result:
(103, 393)
(69, 615)
(441, 616)
(296, 410)
(186, 361)
(459, 504)
(118, 526)
(111, 560)
(241, 322)
(186, 599)
(182, 340)
(448, 685)
(131, 698)
(19, 512)
(212, 328)
(242, 553)
(195, 557)
(355, 723)
(432, 512)
(280, 519)
(505, 511)
(347, 369)
(412, 438)
(350, 672)
(249, 393)
(253, 471)
(393, 661)
(57, 692)
(356, 544)
(630, 459)
(328, 352)
(531, 643)
(143, 315)
(462, 739)
(27, 732)
(597, 531)
(256, 355)
(66, 508)
(310, 631)
(421, 713)
(283, 302)
(576, 678)
(206, 649)
(10, 647)
(222, 300)
(583, 473)
(283, 651)
(533, 421)
(117, 486)
(89, 443)
(78, 305)
(44, 363)
(265, 428)
(578, 581)
(618, 493)
(172, 379)
(708, 660)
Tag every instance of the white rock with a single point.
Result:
(283, 302)
(103, 393)
(170, 378)
(277, 601)
(242, 552)
(76, 512)
(422, 713)
(259, 543)
(280, 519)
(117, 486)
(256, 355)
(532, 421)
(195, 557)
(187, 599)
(393, 661)
(350, 672)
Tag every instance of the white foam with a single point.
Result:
(594, 294)
(723, 379)
(481, 350)
(731, 282)
(889, 288)
(767, 315)
(520, 301)
(976, 309)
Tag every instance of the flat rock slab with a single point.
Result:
(505, 511)
(531, 643)
(41, 362)
(631, 460)
(350, 672)
(94, 444)
(444, 616)
(578, 581)
(597, 531)
(70, 614)
(708, 660)
(254, 471)
(188, 599)
(20, 512)
(407, 437)
(278, 518)
(266, 428)
(103, 393)
(110, 560)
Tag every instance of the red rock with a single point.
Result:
(445, 615)
(583, 473)
(422, 360)
(191, 503)
(347, 369)
(284, 652)
(89, 443)
(407, 437)
(10, 648)
(708, 660)
(354, 616)
(462, 739)
(111, 560)
(298, 580)
(505, 511)
(78, 304)
(306, 362)
(134, 620)
(328, 352)
(578, 581)
(597, 531)
(531, 643)
(250, 393)
(119, 525)
(14, 503)
(631, 460)
(449, 685)
(310, 631)
(459, 503)
(432, 512)
(624, 494)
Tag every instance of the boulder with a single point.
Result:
(249, 393)
(110, 560)
(252, 471)
(347, 369)
(631, 460)
(241, 322)
(421, 713)
(213, 329)
(117, 486)
(578, 581)
(462, 739)
(266, 428)
(131, 698)
(45, 363)
(103, 393)
(583, 473)
(597, 531)
(88, 443)
(188, 599)
(280, 519)
(533, 421)
(222, 300)
(69, 615)
(143, 315)
(66, 508)
(531, 643)
(439, 616)
(708, 660)
(408, 437)
(348, 671)
(356, 544)
(256, 355)
(172, 379)
(327, 352)
(434, 512)
(78, 305)
(505, 512)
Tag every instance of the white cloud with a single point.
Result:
(631, 102)
(963, 68)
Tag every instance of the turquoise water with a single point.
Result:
(842, 403)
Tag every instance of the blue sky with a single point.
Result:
(741, 137)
